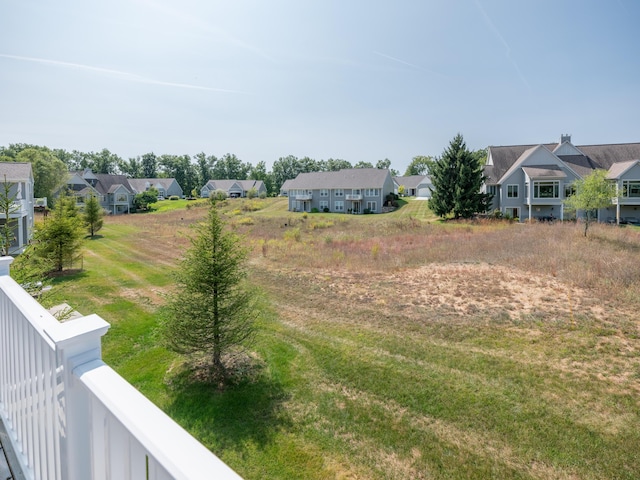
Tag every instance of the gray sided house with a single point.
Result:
(415, 185)
(166, 187)
(19, 176)
(113, 191)
(532, 181)
(351, 190)
(234, 188)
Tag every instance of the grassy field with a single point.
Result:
(395, 346)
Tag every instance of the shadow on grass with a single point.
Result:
(248, 412)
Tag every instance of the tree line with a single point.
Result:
(51, 166)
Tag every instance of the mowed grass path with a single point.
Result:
(358, 383)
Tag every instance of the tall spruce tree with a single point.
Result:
(212, 312)
(457, 178)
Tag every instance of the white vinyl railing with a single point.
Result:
(70, 416)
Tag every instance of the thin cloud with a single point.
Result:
(131, 77)
(496, 32)
(403, 62)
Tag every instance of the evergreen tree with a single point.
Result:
(93, 215)
(59, 238)
(212, 310)
(457, 177)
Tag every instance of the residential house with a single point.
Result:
(166, 187)
(532, 181)
(113, 191)
(284, 189)
(19, 176)
(353, 190)
(234, 188)
(415, 185)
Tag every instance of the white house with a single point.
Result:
(532, 181)
(19, 176)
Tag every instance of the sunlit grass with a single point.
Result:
(395, 346)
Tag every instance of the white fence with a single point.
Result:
(70, 416)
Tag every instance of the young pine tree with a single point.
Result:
(59, 238)
(93, 215)
(212, 311)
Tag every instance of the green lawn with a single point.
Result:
(363, 374)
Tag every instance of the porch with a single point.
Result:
(68, 415)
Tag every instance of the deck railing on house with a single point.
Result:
(70, 416)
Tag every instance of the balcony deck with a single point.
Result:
(67, 415)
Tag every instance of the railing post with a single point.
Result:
(77, 342)
(5, 263)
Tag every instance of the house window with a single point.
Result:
(372, 206)
(492, 190)
(324, 192)
(338, 206)
(569, 190)
(372, 192)
(121, 197)
(356, 191)
(324, 204)
(512, 191)
(549, 189)
(338, 192)
(631, 188)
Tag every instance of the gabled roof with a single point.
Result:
(226, 184)
(412, 181)
(142, 184)
(347, 178)
(108, 183)
(594, 157)
(15, 171)
(285, 185)
(618, 169)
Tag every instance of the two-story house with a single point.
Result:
(532, 181)
(353, 190)
(19, 176)
(113, 191)
(166, 187)
(234, 188)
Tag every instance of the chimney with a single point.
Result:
(565, 137)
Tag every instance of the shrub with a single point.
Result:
(246, 221)
(314, 210)
(293, 234)
(174, 197)
(263, 195)
(326, 209)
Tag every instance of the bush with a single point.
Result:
(263, 195)
(314, 210)
(326, 210)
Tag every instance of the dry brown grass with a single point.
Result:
(534, 318)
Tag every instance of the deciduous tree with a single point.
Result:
(7, 208)
(212, 311)
(419, 166)
(591, 193)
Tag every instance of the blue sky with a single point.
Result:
(351, 79)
